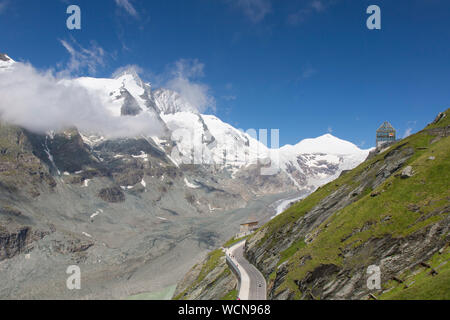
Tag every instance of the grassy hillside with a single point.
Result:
(350, 223)
(210, 279)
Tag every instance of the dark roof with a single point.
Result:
(386, 126)
(249, 221)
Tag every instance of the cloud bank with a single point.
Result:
(183, 78)
(42, 102)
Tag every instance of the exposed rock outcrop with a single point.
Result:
(407, 172)
(15, 240)
(211, 279)
(113, 195)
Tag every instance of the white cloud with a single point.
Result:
(330, 129)
(83, 59)
(408, 132)
(197, 94)
(40, 102)
(410, 128)
(129, 68)
(129, 8)
(255, 10)
(182, 79)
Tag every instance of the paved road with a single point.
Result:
(253, 284)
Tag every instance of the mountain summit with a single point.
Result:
(196, 138)
(5, 61)
(4, 57)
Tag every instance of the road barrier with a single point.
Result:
(234, 268)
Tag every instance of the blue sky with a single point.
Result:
(306, 67)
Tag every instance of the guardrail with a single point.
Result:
(234, 269)
(233, 266)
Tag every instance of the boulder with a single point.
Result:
(407, 172)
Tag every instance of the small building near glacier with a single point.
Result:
(249, 226)
(385, 134)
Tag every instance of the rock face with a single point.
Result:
(15, 239)
(12, 243)
(4, 57)
(439, 117)
(211, 279)
(130, 106)
(113, 195)
(20, 168)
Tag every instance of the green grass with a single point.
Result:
(289, 252)
(211, 262)
(292, 214)
(233, 241)
(232, 295)
(421, 285)
(272, 276)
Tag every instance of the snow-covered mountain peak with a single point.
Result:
(126, 94)
(130, 76)
(4, 57)
(326, 143)
(190, 137)
(127, 90)
(5, 61)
